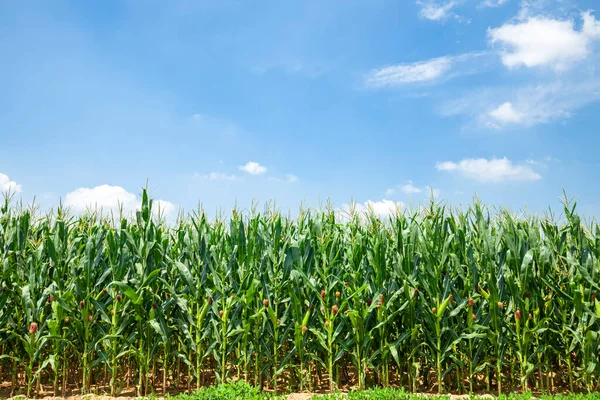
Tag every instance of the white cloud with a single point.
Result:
(529, 105)
(253, 168)
(382, 209)
(422, 71)
(543, 162)
(291, 178)
(547, 102)
(432, 70)
(219, 176)
(493, 3)
(437, 11)
(535, 7)
(104, 196)
(110, 198)
(7, 185)
(542, 41)
(493, 171)
(506, 113)
(165, 207)
(591, 26)
(409, 188)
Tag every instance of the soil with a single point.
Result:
(291, 396)
(319, 387)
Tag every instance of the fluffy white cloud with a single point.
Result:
(253, 168)
(7, 185)
(104, 196)
(165, 207)
(506, 113)
(109, 198)
(437, 11)
(409, 188)
(381, 209)
(494, 171)
(384, 208)
(542, 41)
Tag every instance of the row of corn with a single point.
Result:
(435, 299)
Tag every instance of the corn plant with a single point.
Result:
(432, 298)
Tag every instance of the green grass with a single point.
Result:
(244, 391)
(379, 394)
(230, 391)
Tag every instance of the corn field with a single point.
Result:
(435, 299)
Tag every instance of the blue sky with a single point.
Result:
(378, 102)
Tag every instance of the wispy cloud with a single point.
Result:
(253, 168)
(437, 10)
(529, 8)
(493, 3)
(432, 70)
(289, 178)
(218, 176)
(544, 162)
(409, 189)
(422, 71)
(526, 41)
(495, 170)
(529, 105)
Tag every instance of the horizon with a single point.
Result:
(344, 213)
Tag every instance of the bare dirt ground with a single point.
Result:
(129, 393)
(291, 396)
